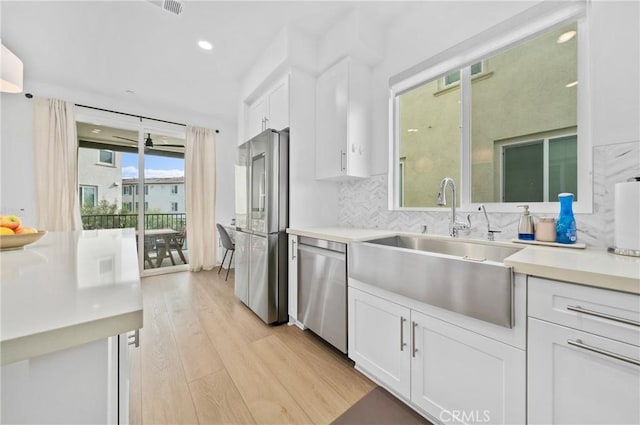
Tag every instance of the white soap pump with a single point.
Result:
(526, 228)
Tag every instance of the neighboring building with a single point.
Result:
(99, 176)
(161, 194)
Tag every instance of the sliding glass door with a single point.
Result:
(115, 193)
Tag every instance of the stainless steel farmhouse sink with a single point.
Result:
(467, 277)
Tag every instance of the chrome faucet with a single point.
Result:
(455, 225)
(490, 233)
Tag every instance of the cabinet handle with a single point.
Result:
(414, 350)
(578, 343)
(135, 338)
(343, 158)
(579, 309)
(293, 250)
(402, 343)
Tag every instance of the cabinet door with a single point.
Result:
(379, 340)
(257, 117)
(293, 278)
(278, 106)
(332, 99)
(571, 384)
(458, 376)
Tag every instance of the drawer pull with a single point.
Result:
(414, 349)
(579, 309)
(578, 343)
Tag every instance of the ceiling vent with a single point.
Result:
(172, 6)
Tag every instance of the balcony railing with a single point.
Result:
(174, 221)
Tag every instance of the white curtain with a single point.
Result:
(200, 188)
(55, 147)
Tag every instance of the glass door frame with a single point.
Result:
(142, 126)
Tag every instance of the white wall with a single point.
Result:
(17, 190)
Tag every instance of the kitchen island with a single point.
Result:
(68, 302)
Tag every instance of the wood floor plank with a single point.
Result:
(218, 401)
(337, 369)
(166, 398)
(267, 399)
(301, 379)
(194, 324)
(198, 356)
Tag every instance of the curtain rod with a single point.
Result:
(29, 96)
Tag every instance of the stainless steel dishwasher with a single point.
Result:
(322, 289)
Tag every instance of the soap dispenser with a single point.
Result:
(526, 228)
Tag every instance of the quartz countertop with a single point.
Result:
(341, 234)
(67, 289)
(591, 266)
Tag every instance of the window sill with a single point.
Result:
(105, 164)
(456, 86)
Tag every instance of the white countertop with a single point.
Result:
(341, 234)
(67, 289)
(590, 266)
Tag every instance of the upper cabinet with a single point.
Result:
(271, 110)
(342, 121)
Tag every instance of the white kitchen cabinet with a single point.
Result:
(452, 374)
(583, 354)
(379, 340)
(342, 121)
(570, 384)
(293, 279)
(458, 376)
(271, 110)
(83, 384)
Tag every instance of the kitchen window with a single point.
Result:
(88, 196)
(107, 157)
(467, 130)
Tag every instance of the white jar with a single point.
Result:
(546, 229)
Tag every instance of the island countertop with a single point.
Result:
(67, 289)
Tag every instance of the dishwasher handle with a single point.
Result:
(321, 243)
(321, 251)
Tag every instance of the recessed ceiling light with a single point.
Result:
(412, 130)
(566, 36)
(96, 130)
(575, 83)
(204, 44)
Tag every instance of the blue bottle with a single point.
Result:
(566, 226)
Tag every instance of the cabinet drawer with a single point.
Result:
(611, 314)
(579, 378)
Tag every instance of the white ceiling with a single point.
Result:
(108, 47)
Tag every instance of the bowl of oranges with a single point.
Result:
(15, 236)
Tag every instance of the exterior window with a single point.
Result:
(107, 157)
(88, 196)
(174, 188)
(146, 189)
(174, 206)
(126, 190)
(136, 206)
(146, 206)
(539, 170)
(127, 206)
(454, 77)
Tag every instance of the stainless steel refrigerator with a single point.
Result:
(262, 216)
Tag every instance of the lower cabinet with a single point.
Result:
(450, 373)
(86, 384)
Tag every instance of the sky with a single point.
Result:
(155, 166)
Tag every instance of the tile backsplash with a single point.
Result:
(363, 203)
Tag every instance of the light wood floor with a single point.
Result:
(206, 358)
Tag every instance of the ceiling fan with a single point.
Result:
(148, 142)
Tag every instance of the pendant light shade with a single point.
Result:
(11, 78)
